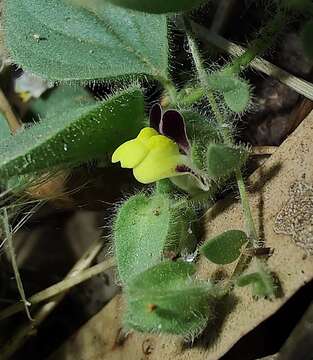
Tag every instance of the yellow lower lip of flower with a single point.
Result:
(151, 156)
(132, 152)
(149, 171)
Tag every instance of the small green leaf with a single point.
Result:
(224, 248)
(159, 6)
(74, 135)
(261, 281)
(238, 99)
(165, 299)
(223, 160)
(140, 233)
(236, 91)
(307, 39)
(60, 41)
(60, 100)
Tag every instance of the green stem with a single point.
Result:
(189, 96)
(251, 230)
(267, 36)
(169, 88)
(264, 40)
(203, 78)
(227, 136)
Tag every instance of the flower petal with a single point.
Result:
(161, 161)
(173, 126)
(130, 154)
(155, 116)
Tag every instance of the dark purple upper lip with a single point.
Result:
(170, 124)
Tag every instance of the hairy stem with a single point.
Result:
(170, 89)
(250, 227)
(203, 78)
(228, 139)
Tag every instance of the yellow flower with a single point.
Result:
(151, 156)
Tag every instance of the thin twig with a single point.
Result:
(263, 150)
(13, 121)
(60, 287)
(19, 283)
(301, 86)
(22, 335)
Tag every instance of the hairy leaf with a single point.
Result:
(224, 248)
(77, 134)
(236, 91)
(261, 281)
(223, 160)
(60, 100)
(140, 233)
(60, 41)
(166, 299)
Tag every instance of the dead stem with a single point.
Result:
(60, 287)
(13, 122)
(301, 86)
(263, 150)
(19, 283)
(21, 336)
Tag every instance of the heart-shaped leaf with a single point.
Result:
(224, 248)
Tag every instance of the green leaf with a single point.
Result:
(200, 133)
(60, 41)
(165, 299)
(74, 135)
(223, 160)
(159, 6)
(148, 227)
(307, 39)
(261, 281)
(236, 91)
(172, 273)
(238, 99)
(60, 100)
(140, 233)
(224, 248)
